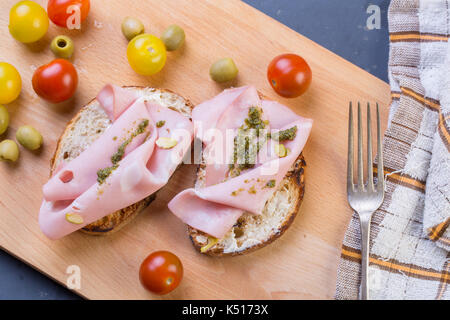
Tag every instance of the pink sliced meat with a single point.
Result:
(215, 208)
(228, 122)
(206, 117)
(144, 169)
(203, 214)
(115, 100)
(84, 168)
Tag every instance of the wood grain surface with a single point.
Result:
(300, 265)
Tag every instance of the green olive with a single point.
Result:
(223, 70)
(132, 27)
(29, 137)
(62, 46)
(173, 37)
(9, 151)
(4, 119)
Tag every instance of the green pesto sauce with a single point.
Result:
(270, 183)
(247, 142)
(254, 120)
(160, 123)
(104, 173)
(288, 134)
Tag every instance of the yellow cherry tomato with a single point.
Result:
(10, 83)
(28, 21)
(146, 54)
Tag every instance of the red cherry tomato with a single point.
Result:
(289, 75)
(161, 272)
(64, 15)
(56, 81)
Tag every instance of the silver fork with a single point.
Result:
(364, 198)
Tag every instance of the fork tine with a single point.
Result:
(380, 167)
(360, 152)
(369, 151)
(350, 186)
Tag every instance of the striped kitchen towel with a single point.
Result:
(410, 236)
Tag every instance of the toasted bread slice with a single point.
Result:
(252, 232)
(87, 126)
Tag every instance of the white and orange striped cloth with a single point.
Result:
(410, 236)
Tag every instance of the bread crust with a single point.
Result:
(118, 219)
(295, 179)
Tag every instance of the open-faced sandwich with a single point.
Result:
(113, 157)
(123, 146)
(250, 182)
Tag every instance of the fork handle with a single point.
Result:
(364, 220)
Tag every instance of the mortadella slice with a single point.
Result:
(228, 123)
(207, 114)
(81, 172)
(215, 208)
(143, 170)
(115, 100)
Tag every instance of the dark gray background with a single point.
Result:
(338, 25)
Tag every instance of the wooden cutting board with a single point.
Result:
(300, 265)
